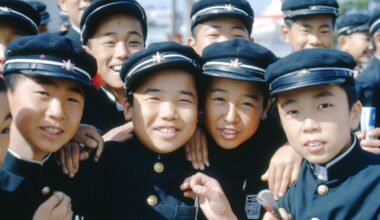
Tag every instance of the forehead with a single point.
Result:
(315, 20)
(310, 93)
(168, 80)
(225, 23)
(232, 85)
(24, 81)
(114, 23)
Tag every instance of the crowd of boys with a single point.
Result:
(187, 131)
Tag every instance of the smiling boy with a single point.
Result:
(46, 77)
(162, 101)
(309, 24)
(319, 110)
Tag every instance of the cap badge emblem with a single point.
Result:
(235, 63)
(229, 7)
(4, 9)
(67, 65)
(158, 58)
(303, 72)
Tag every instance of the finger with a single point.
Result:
(199, 151)
(372, 150)
(284, 214)
(194, 155)
(189, 194)
(271, 177)
(375, 143)
(277, 182)
(99, 150)
(295, 173)
(188, 151)
(62, 160)
(75, 158)
(68, 158)
(265, 176)
(205, 149)
(52, 202)
(374, 133)
(285, 181)
(64, 206)
(84, 155)
(360, 135)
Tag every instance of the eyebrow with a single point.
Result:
(323, 94)
(49, 82)
(183, 92)
(130, 32)
(288, 102)
(252, 96)
(8, 116)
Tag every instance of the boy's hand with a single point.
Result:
(212, 199)
(70, 154)
(120, 134)
(57, 207)
(373, 145)
(283, 170)
(284, 215)
(197, 150)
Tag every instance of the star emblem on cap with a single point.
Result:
(229, 7)
(67, 65)
(235, 63)
(4, 9)
(303, 72)
(158, 58)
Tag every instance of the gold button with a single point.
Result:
(152, 200)
(323, 190)
(159, 167)
(45, 191)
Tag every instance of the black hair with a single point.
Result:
(350, 90)
(3, 87)
(10, 81)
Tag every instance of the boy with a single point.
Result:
(369, 80)
(162, 101)
(236, 102)
(309, 24)
(17, 18)
(111, 31)
(46, 78)
(219, 20)
(318, 108)
(353, 31)
(74, 10)
(5, 121)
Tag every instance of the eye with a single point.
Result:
(218, 99)
(185, 101)
(248, 104)
(292, 112)
(109, 43)
(42, 93)
(134, 43)
(324, 105)
(5, 130)
(73, 100)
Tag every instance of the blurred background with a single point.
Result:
(169, 19)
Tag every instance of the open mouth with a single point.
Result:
(116, 68)
(314, 146)
(167, 132)
(228, 133)
(52, 131)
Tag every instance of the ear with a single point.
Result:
(86, 48)
(355, 115)
(264, 114)
(127, 110)
(377, 39)
(342, 40)
(285, 33)
(62, 5)
(252, 39)
(192, 42)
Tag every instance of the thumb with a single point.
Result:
(53, 201)
(205, 192)
(264, 177)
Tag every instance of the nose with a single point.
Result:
(224, 38)
(168, 111)
(232, 114)
(314, 40)
(121, 51)
(56, 109)
(310, 125)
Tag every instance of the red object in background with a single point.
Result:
(97, 80)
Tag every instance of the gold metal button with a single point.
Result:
(45, 191)
(152, 200)
(323, 190)
(159, 167)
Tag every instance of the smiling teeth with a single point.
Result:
(52, 130)
(314, 144)
(166, 130)
(229, 131)
(116, 68)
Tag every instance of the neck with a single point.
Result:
(21, 147)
